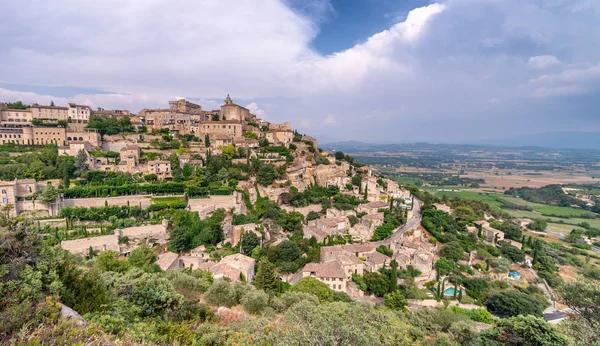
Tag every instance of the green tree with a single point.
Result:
(109, 261)
(142, 257)
(393, 276)
(583, 297)
(266, 175)
(444, 266)
(513, 303)
(221, 293)
(523, 331)
(453, 251)
(377, 283)
(538, 224)
(249, 241)
(49, 196)
(207, 140)
(265, 278)
(287, 251)
(395, 300)
(315, 287)
(81, 164)
(255, 301)
(155, 295)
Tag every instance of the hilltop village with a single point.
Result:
(190, 226)
(326, 198)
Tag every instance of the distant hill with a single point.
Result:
(554, 140)
(558, 140)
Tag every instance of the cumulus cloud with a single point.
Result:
(254, 109)
(445, 65)
(329, 120)
(543, 62)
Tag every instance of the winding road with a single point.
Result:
(414, 222)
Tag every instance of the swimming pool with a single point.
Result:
(513, 274)
(449, 291)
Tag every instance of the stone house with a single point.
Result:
(490, 234)
(10, 191)
(373, 220)
(130, 153)
(161, 168)
(235, 267)
(319, 234)
(330, 273)
(372, 207)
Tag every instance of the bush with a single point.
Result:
(291, 298)
(395, 301)
(155, 295)
(255, 301)
(514, 303)
(477, 315)
(221, 293)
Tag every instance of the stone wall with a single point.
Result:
(205, 206)
(136, 200)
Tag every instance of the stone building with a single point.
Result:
(330, 273)
(232, 111)
(228, 128)
(161, 168)
(490, 234)
(79, 114)
(235, 267)
(52, 113)
(11, 190)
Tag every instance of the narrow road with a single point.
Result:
(414, 222)
(562, 236)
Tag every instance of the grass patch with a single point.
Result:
(550, 210)
(168, 200)
(493, 199)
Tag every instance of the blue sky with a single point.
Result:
(344, 23)
(371, 70)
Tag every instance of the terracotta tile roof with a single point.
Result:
(331, 269)
(166, 260)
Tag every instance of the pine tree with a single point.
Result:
(394, 276)
(265, 277)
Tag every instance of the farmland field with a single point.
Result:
(550, 210)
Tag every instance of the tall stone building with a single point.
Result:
(232, 111)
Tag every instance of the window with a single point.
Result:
(5, 200)
(4, 192)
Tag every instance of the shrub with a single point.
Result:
(255, 301)
(221, 293)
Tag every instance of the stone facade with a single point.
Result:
(232, 111)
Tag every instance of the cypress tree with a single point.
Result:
(265, 277)
(460, 296)
(394, 276)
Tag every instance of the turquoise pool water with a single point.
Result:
(515, 275)
(449, 291)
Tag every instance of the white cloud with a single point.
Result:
(329, 120)
(543, 62)
(446, 64)
(254, 109)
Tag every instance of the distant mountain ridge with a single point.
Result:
(550, 140)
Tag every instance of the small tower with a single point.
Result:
(228, 100)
